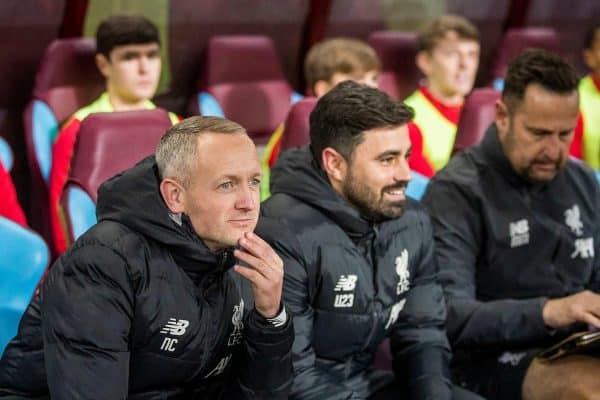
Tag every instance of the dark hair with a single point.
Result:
(590, 35)
(120, 30)
(539, 66)
(438, 28)
(341, 117)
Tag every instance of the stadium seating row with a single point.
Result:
(242, 78)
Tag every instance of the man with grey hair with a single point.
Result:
(149, 303)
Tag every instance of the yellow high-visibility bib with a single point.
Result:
(589, 104)
(438, 132)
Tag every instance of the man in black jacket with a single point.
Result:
(358, 255)
(146, 304)
(517, 233)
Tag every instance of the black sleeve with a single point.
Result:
(457, 226)
(310, 382)
(420, 349)
(266, 367)
(594, 284)
(87, 309)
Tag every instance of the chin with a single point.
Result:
(541, 178)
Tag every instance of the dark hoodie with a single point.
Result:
(352, 283)
(140, 308)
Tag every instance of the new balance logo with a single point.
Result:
(346, 283)
(175, 327)
(519, 233)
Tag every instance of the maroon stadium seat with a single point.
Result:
(383, 356)
(518, 39)
(477, 115)
(570, 19)
(297, 124)
(355, 18)
(26, 29)
(67, 79)
(358, 18)
(399, 75)
(107, 144)
(243, 81)
(193, 22)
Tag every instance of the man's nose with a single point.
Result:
(402, 172)
(247, 199)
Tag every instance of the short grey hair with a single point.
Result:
(177, 151)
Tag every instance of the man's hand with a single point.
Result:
(580, 307)
(265, 273)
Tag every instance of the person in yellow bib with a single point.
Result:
(327, 64)
(586, 142)
(448, 56)
(128, 55)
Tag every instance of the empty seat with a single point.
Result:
(26, 28)
(108, 143)
(356, 18)
(514, 42)
(193, 22)
(570, 19)
(23, 259)
(477, 115)
(399, 75)
(297, 125)
(242, 80)
(67, 79)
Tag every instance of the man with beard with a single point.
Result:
(358, 255)
(517, 231)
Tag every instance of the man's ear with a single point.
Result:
(103, 64)
(172, 194)
(423, 61)
(589, 59)
(502, 117)
(334, 164)
(320, 88)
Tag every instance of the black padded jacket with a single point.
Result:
(350, 284)
(139, 308)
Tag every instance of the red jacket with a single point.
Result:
(9, 204)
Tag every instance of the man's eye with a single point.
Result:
(387, 160)
(226, 185)
(255, 182)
